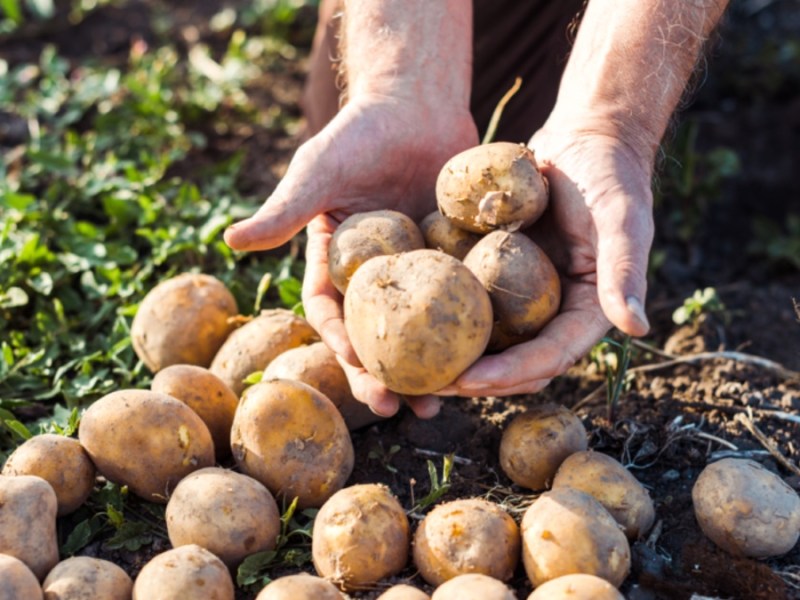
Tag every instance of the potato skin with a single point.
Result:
(577, 586)
(316, 365)
(291, 438)
(17, 581)
(466, 536)
(440, 233)
(86, 578)
(745, 509)
(256, 343)
(145, 440)
(473, 586)
(404, 592)
(537, 441)
(492, 186)
(361, 535)
(417, 320)
(183, 320)
(365, 235)
(227, 513)
(522, 282)
(28, 508)
(302, 586)
(567, 531)
(182, 573)
(62, 462)
(207, 395)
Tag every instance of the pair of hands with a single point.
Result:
(384, 153)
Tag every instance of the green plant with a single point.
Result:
(705, 301)
(438, 487)
(384, 456)
(613, 358)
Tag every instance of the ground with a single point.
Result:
(725, 383)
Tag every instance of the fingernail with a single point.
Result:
(635, 306)
(447, 391)
(475, 386)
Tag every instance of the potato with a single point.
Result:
(537, 441)
(492, 186)
(207, 395)
(523, 285)
(316, 365)
(441, 234)
(567, 531)
(183, 320)
(182, 573)
(417, 320)
(403, 592)
(291, 438)
(300, 587)
(745, 509)
(62, 462)
(253, 346)
(473, 586)
(361, 535)
(227, 513)
(613, 486)
(145, 440)
(17, 581)
(365, 235)
(28, 508)
(466, 536)
(577, 586)
(86, 578)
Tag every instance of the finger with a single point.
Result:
(529, 387)
(424, 407)
(365, 388)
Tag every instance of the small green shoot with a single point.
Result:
(384, 456)
(438, 488)
(613, 358)
(705, 301)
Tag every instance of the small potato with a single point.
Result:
(466, 536)
(17, 581)
(745, 509)
(361, 535)
(207, 395)
(253, 346)
(404, 592)
(365, 235)
(291, 438)
(28, 508)
(473, 586)
(536, 442)
(300, 587)
(145, 440)
(183, 320)
(62, 462)
(86, 578)
(441, 234)
(567, 531)
(182, 573)
(492, 186)
(316, 365)
(417, 320)
(523, 286)
(613, 486)
(577, 586)
(227, 513)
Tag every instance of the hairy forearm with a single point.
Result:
(630, 64)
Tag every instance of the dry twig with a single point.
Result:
(747, 421)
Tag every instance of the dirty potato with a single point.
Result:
(302, 586)
(404, 592)
(182, 573)
(17, 581)
(87, 578)
(473, 586)
(576, 586)
(441, 233)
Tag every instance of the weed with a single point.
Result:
(384, 456)
(613, 358)
(438, 487)
(705, 301)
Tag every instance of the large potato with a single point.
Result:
(207, 395)
(441, 233)
(230, 514)
(316, 365)
(417, 320)
(86, 578)
(361, 535)
(302, 586)
(62, 462)
(365, 235)
(567, 531)
(183, 320)
(577, 586)
(183, 573)
(17, 581)
(291, 438)
(403, 592)
(537, 441)
(745, 509)
(522, 283)
(473, 586)
(28, 508)
(466, 536)
(145, 440)
(493, 186)
(613, 486)
(253, 346)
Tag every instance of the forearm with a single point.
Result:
(630, 65)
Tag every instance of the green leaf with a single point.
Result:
(131, 535)
(18, 428)
(13, 297)
(12, 9)
(83, 533)
(252, 378)
(252, 569)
